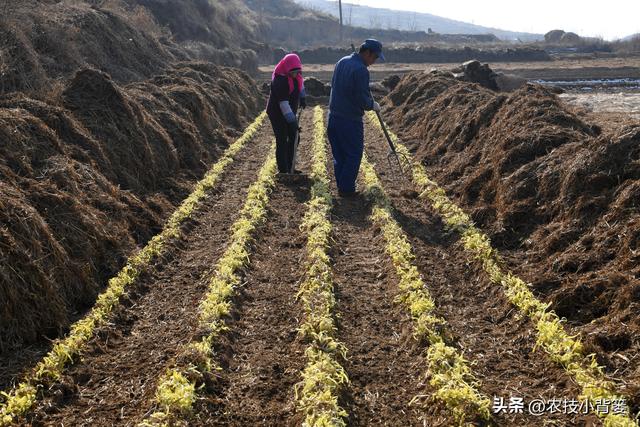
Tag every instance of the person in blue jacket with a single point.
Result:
(350, 98)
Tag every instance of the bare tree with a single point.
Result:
(349, 15)
(374, 20)
(412, 22)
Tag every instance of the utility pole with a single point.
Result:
(340, 6)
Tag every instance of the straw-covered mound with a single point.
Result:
(558, 196)
(223, 32)
(131, 40)
(42, 41)
(86, 179)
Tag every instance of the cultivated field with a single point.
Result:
(156, 270)
(279, 303)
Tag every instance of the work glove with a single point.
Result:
(290, 117)
(303, 102)
(376, 107)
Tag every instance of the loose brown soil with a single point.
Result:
(487, 329)
(556, 192)
(117, 377)
(383, 365)
(262, 356)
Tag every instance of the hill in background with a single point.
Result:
(371, 17)
(293, 26)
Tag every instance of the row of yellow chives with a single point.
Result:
(551, 336)
(176, 390)
(19, 400)
(323, 378)
(449, 373)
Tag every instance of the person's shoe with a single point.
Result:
(297, 172)
(348, 194)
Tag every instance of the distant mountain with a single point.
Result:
(291, 25)
(631, 37)
(371, 17)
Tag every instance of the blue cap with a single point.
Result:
(374, 46)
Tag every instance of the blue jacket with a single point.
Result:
(350, 94)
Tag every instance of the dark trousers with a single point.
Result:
(285, 141)
(347, 146)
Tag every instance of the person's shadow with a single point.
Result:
(352, 210)
(300, 186)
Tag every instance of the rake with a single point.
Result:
(295, 145)
(394, 158)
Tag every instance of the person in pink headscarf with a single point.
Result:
(287, 93)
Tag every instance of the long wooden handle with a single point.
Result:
(386, 132)
(295, 144)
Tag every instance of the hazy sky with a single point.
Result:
(609, 19)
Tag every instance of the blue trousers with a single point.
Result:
(347, 145)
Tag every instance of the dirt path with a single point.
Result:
(383, 365)
(122, 364)
(262, 357)
(486, 326)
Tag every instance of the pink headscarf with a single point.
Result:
(288, 63)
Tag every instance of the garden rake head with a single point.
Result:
(397, 161)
